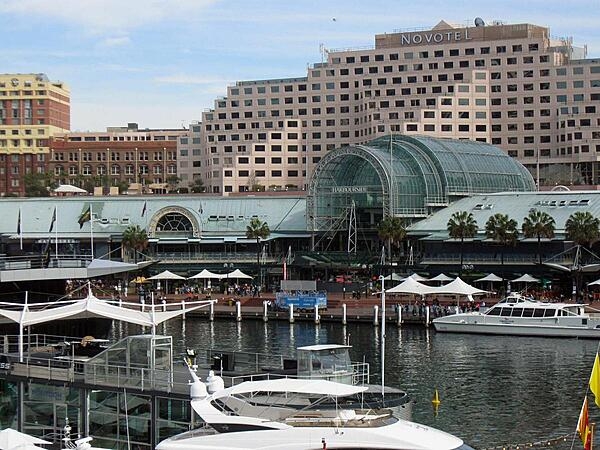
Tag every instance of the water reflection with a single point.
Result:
(494, 390)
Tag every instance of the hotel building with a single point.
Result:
(32, 110)
(143, 159)
(513, 86)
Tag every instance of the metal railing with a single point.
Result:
(249, 257)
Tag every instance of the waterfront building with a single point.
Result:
(188, 156)
(33, 109)
(141, 160)
(510, 85)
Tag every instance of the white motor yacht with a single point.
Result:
(242, 419)
(523, 316)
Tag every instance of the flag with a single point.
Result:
(583, 426)
(19, 223)
(144, 209)
(85, 216)
(595, 380)
(52, 221)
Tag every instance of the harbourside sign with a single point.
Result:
(434, 38)
(350, 189)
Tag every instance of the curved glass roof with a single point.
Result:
(410, 176)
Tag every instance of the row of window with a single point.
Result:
(120, 138)
(115, 170)
(114, 156)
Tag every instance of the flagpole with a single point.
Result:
(92, 230)
(20, 228)
(56, 231)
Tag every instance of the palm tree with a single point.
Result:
(392, 230)
(258, 230)
(462, 225)
(499, 228)
(136, 239)
(583, 228)
(540, 225)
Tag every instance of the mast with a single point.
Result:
(382, 278)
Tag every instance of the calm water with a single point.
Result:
(494, 390)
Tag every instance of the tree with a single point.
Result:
(197, 186)
(257, 229)
(499, 228)
(462, 225)
(540, 225)
(392, 231)
(583, 228)
(38, 184)
(136, 239)
(172, 182)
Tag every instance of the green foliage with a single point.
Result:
(39, 184)
(501, 229)
(257, 229)
(462, 225)
(197, 186)
(583, 228)
(540, 225)
(135, 238)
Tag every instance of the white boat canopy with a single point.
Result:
(293, 385)
(205, 274)
(526, 279)
(166, 275)
(236, 274)
(411, 286)
(490, 277)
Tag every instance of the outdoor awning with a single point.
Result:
(206, 275)
(490, 277)
(526, 279)
(458, 287)
(166, 275)
(411, 286)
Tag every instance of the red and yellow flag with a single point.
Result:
(583, 426)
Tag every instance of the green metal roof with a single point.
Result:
(411, 176)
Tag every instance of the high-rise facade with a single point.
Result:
(513, 86)
(32, 110)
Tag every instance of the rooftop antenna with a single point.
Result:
(479, 22)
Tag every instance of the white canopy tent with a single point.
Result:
(417, 277)
(91, 307)
(69, 189)
(236, 274)
(594, 283)
(411, 286)
(458, 287)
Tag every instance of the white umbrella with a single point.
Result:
(417, 277)
(394, 277)
(166, 275)
(526, 279)
(490, 277)
(236, 274)
(11, 439)
(594, 283)
(441, 278)
(205, 274)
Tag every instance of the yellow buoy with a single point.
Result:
(436, 399)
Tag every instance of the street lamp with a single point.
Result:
(227, 267)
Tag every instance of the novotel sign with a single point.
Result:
(434, 37)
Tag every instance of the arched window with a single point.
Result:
(174, 223)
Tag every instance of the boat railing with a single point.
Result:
(358, 375)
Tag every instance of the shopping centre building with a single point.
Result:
(510, 85)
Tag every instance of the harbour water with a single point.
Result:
(495, 391)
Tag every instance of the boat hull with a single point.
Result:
(540, 329)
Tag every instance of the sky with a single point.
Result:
(161, 63)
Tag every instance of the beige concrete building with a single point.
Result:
(32, 110)
(513, 86)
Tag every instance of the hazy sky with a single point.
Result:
(162, 62)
